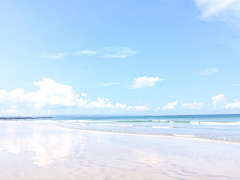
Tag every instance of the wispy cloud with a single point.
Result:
(54, 56)
(208, 71)
(144, 81)
(236, 85)
(115, 52)
(172, 96)
(85, 52)
(62, 55)
(108, 84)
(118, 52)
(223, 10)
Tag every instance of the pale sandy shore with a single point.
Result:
(37, 151)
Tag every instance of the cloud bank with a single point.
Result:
(52, 95)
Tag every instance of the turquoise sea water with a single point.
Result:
(212, 127)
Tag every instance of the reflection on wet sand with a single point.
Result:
(37, 151)
(47, 147)
(50, 148)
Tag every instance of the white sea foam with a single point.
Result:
(80, 124)
(69, 121)
(159, 120)
(183, 135)
(194, 122)
(95, 121)
(164, 127)
(220, 123)
(126, 125)
(110, 125)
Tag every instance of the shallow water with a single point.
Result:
(211, 127)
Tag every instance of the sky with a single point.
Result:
(112, 57)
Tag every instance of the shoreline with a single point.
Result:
(133, 134)
(149, 135)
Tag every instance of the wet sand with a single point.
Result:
(38, 151)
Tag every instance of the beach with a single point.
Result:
(42, 151)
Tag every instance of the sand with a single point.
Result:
(39, 151)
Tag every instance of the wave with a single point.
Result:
(184, 135)
(111, 125)
(147, 122)
(220, 123)
(164, 127)
(194, 122)
(89, 121)
(80, 124)
(159, 120)
(200, 123)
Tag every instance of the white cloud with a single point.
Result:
(170, 106)
(138, 108)
(144, 81)
(55, 95)
(52, 95)
(235, 105)
(54, 56)
(84, 94)
(108, 84)
(105, 103)
(85, 52)
(117, 52)
(194, 105)
(10, 111)
(208, 71)
(223, 10)
(158, 109)
(219, 102)
(236, 85)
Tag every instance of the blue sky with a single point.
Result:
(119, 57)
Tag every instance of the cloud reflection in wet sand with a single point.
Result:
(47, 147)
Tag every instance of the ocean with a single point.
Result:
(211, 127)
